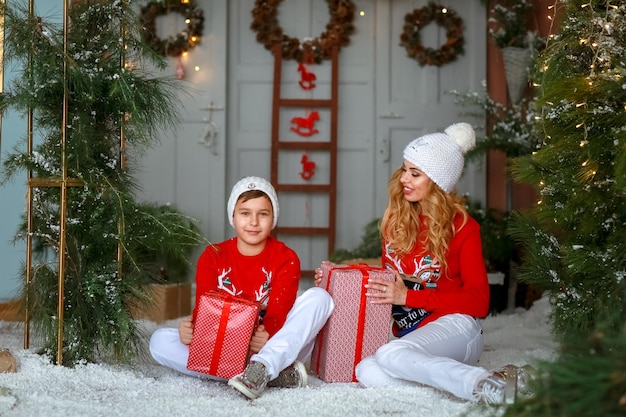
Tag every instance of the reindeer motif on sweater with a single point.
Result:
(270, 278)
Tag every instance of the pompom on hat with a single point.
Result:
(441, 155)
(248, 184)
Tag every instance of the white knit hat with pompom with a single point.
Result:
(441, 155)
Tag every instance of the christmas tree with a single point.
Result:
(575, 237)
(113, 243)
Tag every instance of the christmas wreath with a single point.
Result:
(269, 33)
(443, 16)
(182, 41)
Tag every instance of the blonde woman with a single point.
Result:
(441, 285)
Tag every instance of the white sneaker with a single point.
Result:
(491, 390)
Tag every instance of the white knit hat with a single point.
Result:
(252, 183)
(441, 155)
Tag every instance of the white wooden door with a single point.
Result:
(187, 169)
(376, 82)
(412, 100)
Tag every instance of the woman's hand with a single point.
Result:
(185, 331)
(259, 338)
(319, 274)
(387, 292)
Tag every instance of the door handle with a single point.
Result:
(392, 115)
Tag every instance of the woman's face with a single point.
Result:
(414, 183)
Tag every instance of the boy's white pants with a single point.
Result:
(442, 354)
(293, 341)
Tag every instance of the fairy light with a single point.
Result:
(444, 10)
(196, 68)
(185, 53)
(580, 125)
(362, 13)
(584, 164)
(583, 142)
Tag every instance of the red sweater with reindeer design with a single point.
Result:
(270, 277)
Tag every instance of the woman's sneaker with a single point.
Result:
(293, 376)
(505, 385)
(492, 390)
(252, 382)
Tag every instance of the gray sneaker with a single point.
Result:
(293, 376)
(252, 382)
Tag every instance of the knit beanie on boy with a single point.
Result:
(441, 155)
(247, 184)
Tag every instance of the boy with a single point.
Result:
(255, 266)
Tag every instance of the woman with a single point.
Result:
(441, 285)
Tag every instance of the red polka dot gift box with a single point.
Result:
(221, 337)
(356, 329)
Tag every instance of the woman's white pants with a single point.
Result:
(293, 341)
(442, 354)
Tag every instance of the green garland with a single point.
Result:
(183, 41)
(269, 33)
(443, 16)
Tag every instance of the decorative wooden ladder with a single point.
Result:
(330, 146)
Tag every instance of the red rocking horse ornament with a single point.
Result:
(307, 79)
(304, 126)
(308, 167)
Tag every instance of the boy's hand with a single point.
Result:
(259, 338)
(319, 274)
(185, 331)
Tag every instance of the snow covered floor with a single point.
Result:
(146, 390)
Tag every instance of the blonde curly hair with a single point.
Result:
(400, 224)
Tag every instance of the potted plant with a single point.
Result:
(369, 250)
(509, 29)
(167, 266)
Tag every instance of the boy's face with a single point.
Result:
(253, 223)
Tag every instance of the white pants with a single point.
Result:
(442, 354)
(293, 341)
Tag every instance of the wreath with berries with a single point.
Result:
(270, 33)
(443, 16)
(181, 42)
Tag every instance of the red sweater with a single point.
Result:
(270, 277)
(462, 288)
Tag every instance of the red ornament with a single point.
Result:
(308, 167)
(305, 125)
(307, 79)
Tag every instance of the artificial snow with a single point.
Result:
(40, 388)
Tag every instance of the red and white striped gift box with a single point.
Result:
(222, 332)
(356, 329)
